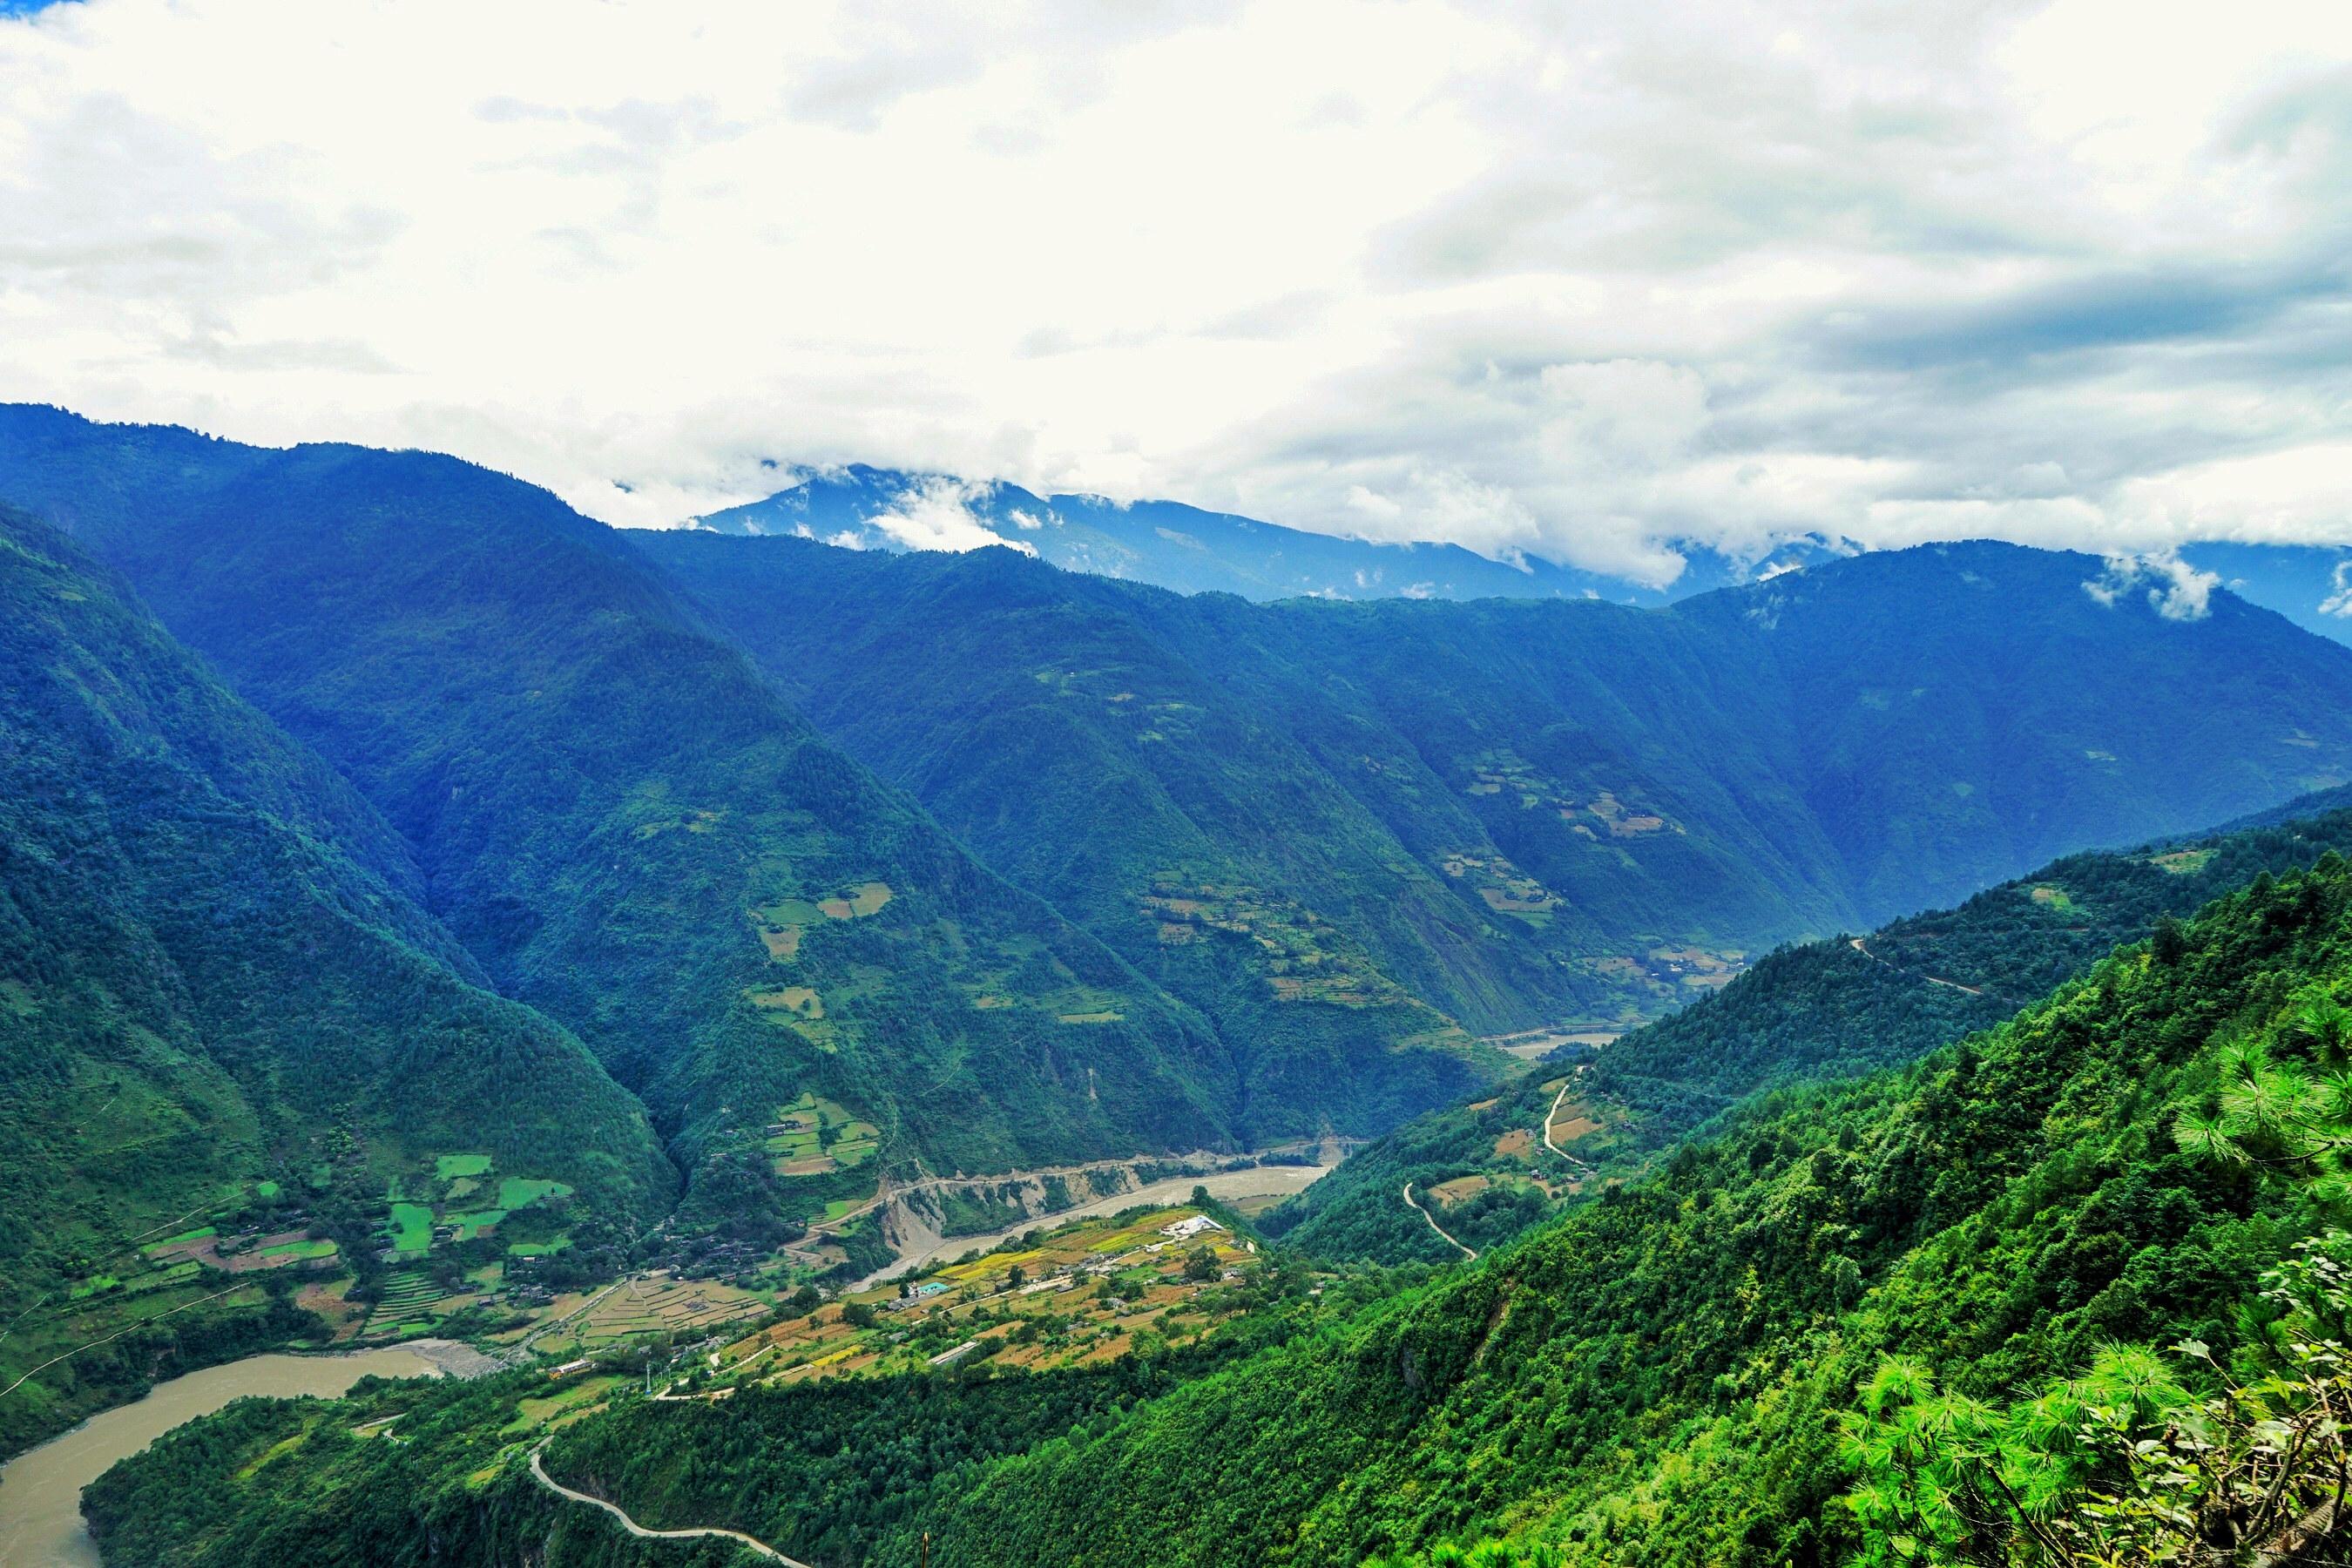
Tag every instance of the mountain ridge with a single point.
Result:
(1191, 549)
(634, 832)
(1568, 808)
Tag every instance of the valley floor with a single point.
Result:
(918, 1246)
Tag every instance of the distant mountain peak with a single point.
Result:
(1192, 549)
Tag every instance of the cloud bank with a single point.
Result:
(1576, 282)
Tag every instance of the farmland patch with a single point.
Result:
(801, 1001)
(2182, 862)
(1085, 1292)
(812, 1136)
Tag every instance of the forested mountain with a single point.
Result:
(502, 841)
(217, 990)
(632, 831)
(1820, 1010)
(1696, 1368)
(617, 816)
(1525, 812)
(1658, 1376)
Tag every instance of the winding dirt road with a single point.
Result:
(633, 1528)
(1468, 1252)
(1553, 1115)
(1861, 947)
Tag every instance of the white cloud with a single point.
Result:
(2339, 602)
(936, 513)
(2180, 590)
(2183, 592)
(1579, 281)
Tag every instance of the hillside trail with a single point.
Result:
(633, 1528)
(1553, 1115)
(1862, 947)
(1469, 1252)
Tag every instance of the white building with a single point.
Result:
(1186, 1229)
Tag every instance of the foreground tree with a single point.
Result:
(2125, 1467)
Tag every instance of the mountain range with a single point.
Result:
(1192, 549)
(1523, 812)
(1808, 1338)
(427, 878)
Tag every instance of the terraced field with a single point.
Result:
(401, 1306)
(458, 1199)
(813, 1136)
(1087, 1292)
(641, 1305)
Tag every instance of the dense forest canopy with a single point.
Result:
(424, 909)
(1675, 1373)
(1835, 1007)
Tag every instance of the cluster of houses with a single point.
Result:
(1066, 1275)
(913, 1295)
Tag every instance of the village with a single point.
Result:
(1088, 1291)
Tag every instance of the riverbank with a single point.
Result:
(1258, 1181)
(40, 1490)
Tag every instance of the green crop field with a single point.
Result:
(411, 1228)
(521, 1192)
(449, 1167)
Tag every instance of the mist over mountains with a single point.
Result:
(1193, 550)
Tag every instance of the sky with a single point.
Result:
(1577, 281)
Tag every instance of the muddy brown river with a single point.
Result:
(40, 1490)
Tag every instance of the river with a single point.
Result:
(40, 1490)
(1255, 1181)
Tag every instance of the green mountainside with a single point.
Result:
(622, 820)
(1525, 813)
(217, 993)
(1819, 1010)
(1669, 1374)
(1108, 767)
(1657, 1377)
(441, 902)
(634, 832)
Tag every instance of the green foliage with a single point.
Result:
(1802, 1014)
(2127, 1464)
(1657, 1376)
(214, 966)
(2281, 1100)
